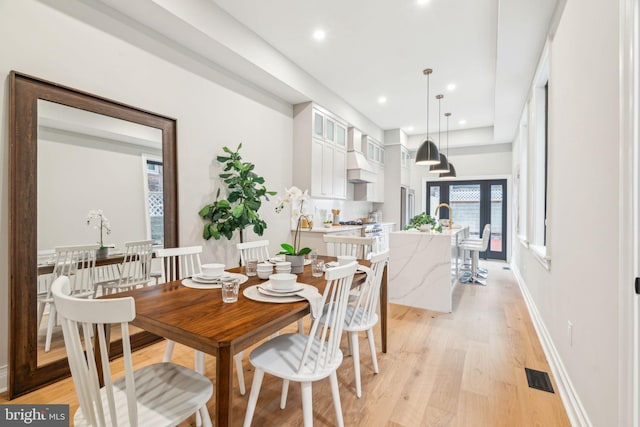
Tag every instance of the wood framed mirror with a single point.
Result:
(27, 95)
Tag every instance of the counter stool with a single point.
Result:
(475, 247)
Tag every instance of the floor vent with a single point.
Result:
(539, 380)
(506, 267)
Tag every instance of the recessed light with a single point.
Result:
(422, 2)
(451, 86)
(319, 34)
(462, 122)
(382, 100)
(411, 129)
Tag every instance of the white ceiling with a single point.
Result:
(373, 48)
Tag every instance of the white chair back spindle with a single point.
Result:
(363, 312)
(159, 394)
(335, 299)
(258, 250)
(178, 263)
(359, 247)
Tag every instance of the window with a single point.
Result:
(155, 200)
(539, 163)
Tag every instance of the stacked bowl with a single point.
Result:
(265, 269)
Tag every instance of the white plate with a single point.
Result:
(265, 291)
(252, 293)
(191, 284)
(269, 288)
(205, 279)
(197, 284)
(278, 258)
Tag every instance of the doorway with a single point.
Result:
(474, 204)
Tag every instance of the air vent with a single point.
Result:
(539, 380)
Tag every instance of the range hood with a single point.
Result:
(359, 171)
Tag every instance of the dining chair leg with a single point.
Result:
(284, 393)
(198, 361)
(50, 324)
(335, 392)
(168, 351)
(307, 403)
(372, 348)
(238, 360)
(253, 396)
(300, 326)
(206, 418)
(355, 352)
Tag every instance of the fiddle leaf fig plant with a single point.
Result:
(240, 209)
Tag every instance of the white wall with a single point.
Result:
(73, 179)
(42, 42)
(582, 283)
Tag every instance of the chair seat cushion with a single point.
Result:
(166, 394)
(280, 356)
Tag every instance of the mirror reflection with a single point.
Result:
(89, 162)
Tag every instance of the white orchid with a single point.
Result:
(102, 222)
(293, 195)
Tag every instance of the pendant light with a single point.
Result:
(443, 165)
(452, 170)
(428, 152)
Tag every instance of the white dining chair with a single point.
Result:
(135, 269)
(359, 247)
(78, 262)
(307, 358)
(258, 250)
(179, 263)
(362, 314)
(160, 394)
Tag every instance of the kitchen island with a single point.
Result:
(424, 268)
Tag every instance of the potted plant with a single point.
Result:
(293, 253)
(240, 209)
(102, 223)
(424, 222)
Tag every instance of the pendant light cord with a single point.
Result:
(428, 72)
(439, 98)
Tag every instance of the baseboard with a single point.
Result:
(3, 378)
(575, 411)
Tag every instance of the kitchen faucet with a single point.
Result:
(450, 213)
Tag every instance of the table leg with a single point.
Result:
(224, 386)
(383, 309)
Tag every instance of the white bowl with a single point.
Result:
(264, 275)
(345, 259)
(212, 270)
(282, 281)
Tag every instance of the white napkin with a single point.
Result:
(314, 297)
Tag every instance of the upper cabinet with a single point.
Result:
(405, 163)
(375, 151)
(319, 152)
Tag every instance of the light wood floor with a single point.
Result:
(460, 369)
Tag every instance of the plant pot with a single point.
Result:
(297, 263)
(102, 253)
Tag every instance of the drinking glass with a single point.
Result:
(230, 290)
(317, 268)
(252, 267)
(312, 256)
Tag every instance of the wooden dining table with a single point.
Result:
(199, 319)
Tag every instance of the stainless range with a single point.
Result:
(369, 229)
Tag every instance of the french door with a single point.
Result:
(474, 204)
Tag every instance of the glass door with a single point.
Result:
(474, 204)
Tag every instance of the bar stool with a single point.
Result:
(475, 246)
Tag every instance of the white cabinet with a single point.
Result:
(319, 152)
(405, 169)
